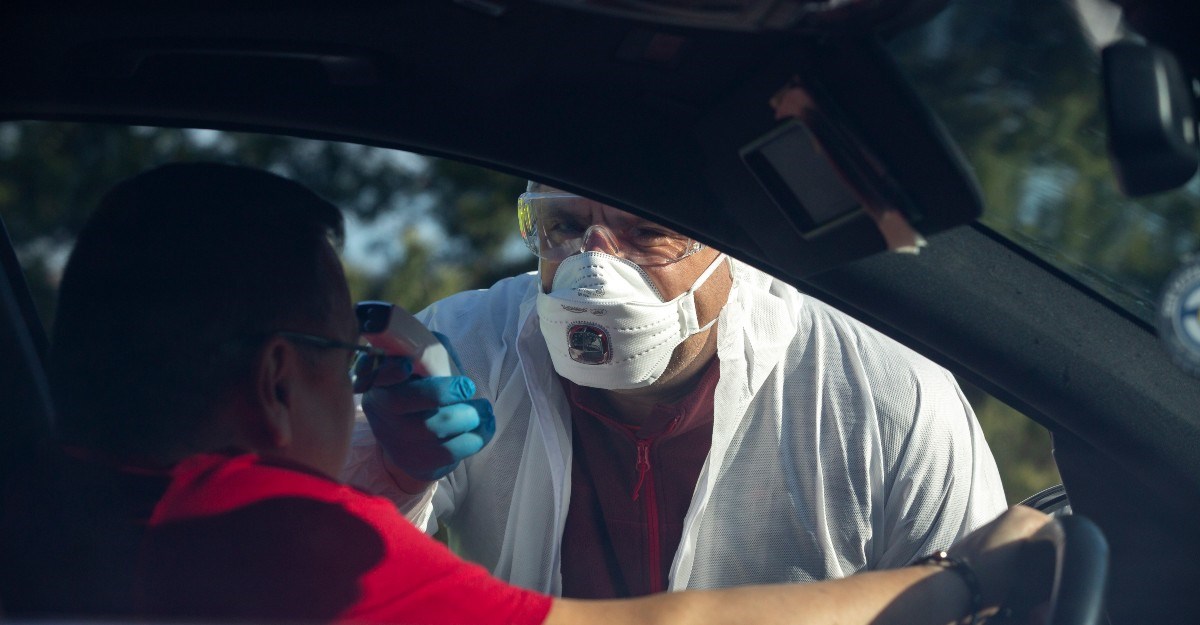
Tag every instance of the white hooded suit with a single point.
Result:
(834, 449)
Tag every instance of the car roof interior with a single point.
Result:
(651, 117)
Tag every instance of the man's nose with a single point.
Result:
(599, 238)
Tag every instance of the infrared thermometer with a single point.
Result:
(394, 330)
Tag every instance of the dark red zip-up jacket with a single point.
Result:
(631, 486)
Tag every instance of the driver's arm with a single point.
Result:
(911, 595)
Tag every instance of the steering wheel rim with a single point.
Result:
(1080, 570)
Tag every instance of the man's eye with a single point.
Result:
(561, 229)
(653, 236)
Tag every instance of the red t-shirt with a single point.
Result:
(238, 537)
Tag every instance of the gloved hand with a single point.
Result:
(426, 426)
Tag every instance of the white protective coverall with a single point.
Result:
(834, 448)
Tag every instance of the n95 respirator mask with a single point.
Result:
(607, 326)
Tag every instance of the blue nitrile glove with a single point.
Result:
(426, 425)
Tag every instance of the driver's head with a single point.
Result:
(626, 303)
(167, 335)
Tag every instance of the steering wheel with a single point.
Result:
(1080, 569)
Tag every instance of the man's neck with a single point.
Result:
(634, 406)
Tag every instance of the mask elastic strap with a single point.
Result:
(690, 296)
(708, 272)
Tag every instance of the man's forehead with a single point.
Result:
(591, 207)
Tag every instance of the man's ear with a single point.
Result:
(276, 377)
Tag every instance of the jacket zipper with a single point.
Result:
(646, 478)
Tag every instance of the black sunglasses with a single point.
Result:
(364, 359)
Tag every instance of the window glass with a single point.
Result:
(1021, 446)
(418, 228)
(1025, 106)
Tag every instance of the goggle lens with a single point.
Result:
(557, 225)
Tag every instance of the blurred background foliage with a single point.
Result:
(1027, 119)
(418, 229)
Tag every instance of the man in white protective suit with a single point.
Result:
(667, 417)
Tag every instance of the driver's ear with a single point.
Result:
(276, 376)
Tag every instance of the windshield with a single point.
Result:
(1025, 107)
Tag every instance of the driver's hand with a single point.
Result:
(999, 553)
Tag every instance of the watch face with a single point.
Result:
(588, 344)
(1179, 316)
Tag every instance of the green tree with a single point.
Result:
(477, 241)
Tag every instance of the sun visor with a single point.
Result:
(842, 148)
(790, 165)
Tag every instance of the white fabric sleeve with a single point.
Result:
(946, 482)
(365, 470)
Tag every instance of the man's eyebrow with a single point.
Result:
(629, 220)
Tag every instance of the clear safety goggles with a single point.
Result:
(557, 224)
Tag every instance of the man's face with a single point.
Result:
(671, 279)
(325, 414)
